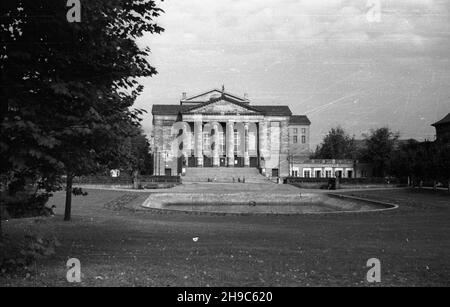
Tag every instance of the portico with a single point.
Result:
(219, 129)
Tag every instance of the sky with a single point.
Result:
(337, 61)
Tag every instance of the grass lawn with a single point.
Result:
(125, 248)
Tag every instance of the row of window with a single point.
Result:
(318, 174)
(222, 144)
(237, 140)
(295, 139)
(295, 136)
(296, 130)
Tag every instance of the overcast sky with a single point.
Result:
(323, 58)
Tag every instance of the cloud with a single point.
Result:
(285, 51)
(206, 24)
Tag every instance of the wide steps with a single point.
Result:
(223, 174)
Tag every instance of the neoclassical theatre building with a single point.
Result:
(220, 129)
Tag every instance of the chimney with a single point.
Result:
(183, 95)
(245, 96)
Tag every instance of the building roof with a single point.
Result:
(274, 110)
(445, 120)
(299, 120)
(173, 109)
(167, 109)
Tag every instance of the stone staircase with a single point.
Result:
(223, 175)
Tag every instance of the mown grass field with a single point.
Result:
(120, 247)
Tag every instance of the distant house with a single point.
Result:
(443, 129)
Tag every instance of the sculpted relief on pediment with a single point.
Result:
(222, 106)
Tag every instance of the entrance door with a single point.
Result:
(181, 163)
(238, 161)
(223, 161)
(274, 172)
(207, 161)
(191, 161)
(318, 174)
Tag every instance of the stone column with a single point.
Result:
(198, 130)
(215, 153)
(186, 145)
(230, 143)
(158, 143)
(262, 142)
(284, 149)
(246, 145)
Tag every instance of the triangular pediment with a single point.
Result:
(222, 105)
(213, 94)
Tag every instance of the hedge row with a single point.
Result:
(122, 180)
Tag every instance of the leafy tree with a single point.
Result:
(422, 161)
(337, 144)
(68, 88)
(134, 154)
(141, 159)
(380, 146)
(403, 160)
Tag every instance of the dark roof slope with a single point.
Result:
(168, 109)
(274, 110)
(299, 120)
(445, 120)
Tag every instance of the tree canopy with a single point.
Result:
(337, 144)
(68, 88)
(422, 161)
(380, 145)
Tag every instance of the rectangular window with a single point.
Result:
(192, 143)
(222, 143)
(303, 130)
(295, 139)
(307, 173)
(206, 140)
(303, 139)
(251, 141)
(295, 130)
(328, 173)
(236, 141)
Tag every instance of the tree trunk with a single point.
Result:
(135, 180)
(68, 208)
(1, 232)
(2, 207)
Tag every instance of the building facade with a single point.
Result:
(443, 129)
(220, 129)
